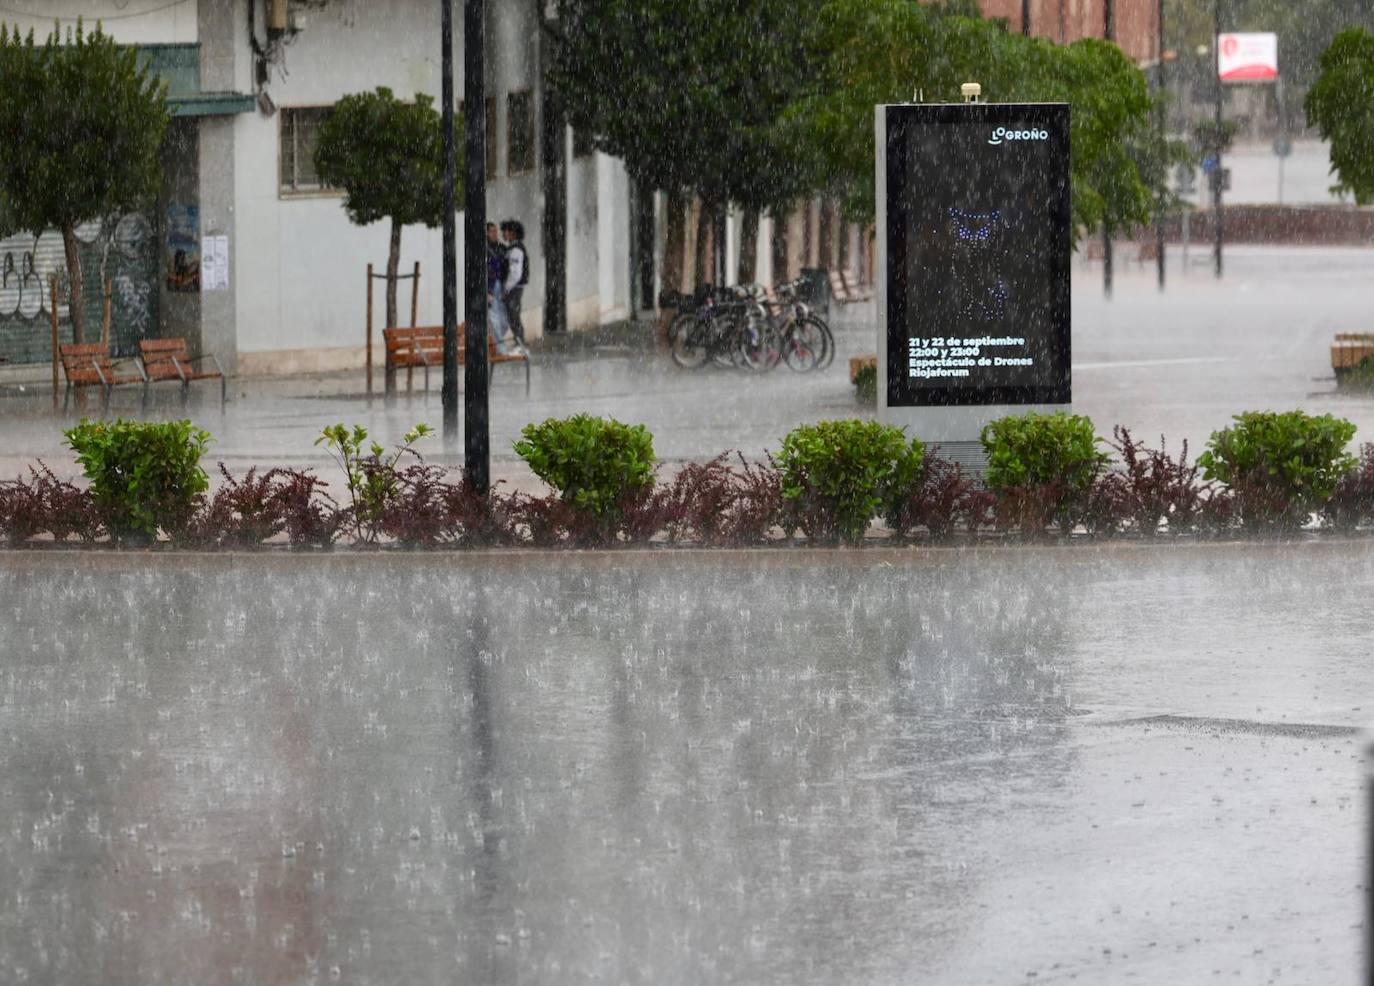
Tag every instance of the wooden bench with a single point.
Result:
(423, 346)
(839, 291)
(857, 291)
(169, 359)
(1349, 350)
(89, 364)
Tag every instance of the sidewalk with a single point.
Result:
(618, 370)
(1180, 364)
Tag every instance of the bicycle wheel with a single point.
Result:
(725, 338)
(803, 347)
(761, 348)
(680, 325)
(816, 324)
(690, 343)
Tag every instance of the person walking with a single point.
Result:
(517, 276)
(496, 276)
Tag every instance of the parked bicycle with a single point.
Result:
(751, 328)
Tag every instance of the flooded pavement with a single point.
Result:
(1178, 364)
(952, 766)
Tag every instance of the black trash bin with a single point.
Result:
(815, 289)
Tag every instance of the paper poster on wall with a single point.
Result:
(183, 247)
(214, 263)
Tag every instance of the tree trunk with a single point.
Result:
(74, 286)
(555, 229)
(674, 246)
(393, 263)
(720, 246)
(779, 247)
(824, 235)
(644, 262)
(748, 246)
(702, 254)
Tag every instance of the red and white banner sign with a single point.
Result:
(1248, 57)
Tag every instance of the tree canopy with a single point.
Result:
(690, 93)
(388, 157)
(761, 102)
(1340, 105)
(890, 51)
(80, 136)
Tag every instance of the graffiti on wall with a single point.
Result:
(122, 250)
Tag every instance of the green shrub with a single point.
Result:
(144, 475)
(593, 463)
(1279, 466)
(1034, 449)
(839, 475)
(866, 385)
(1041, 468)
(372, 476)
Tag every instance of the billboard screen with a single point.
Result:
(977, 215)
(1248, 57)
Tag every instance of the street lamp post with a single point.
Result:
(1217, 173)
(1163, 127)
(1108, 33)
(449, 273)
(476, 426)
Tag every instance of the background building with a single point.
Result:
(247, 102)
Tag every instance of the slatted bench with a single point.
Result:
(857, 291)
(89, 364)
(1349, 350)
(169, 359)
(423, 346)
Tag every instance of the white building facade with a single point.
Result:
(250, 80)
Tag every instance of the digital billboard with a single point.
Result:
(977, 228)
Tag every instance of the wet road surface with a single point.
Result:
(965, 766)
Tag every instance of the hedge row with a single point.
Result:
(1048, 475)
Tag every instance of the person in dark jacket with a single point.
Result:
(517, 275)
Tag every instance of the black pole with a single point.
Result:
(1216, 175)
(1025, 17)
(476, 430)
(450, 261)
(1109, 33)
(554, 152)
(1163, 127)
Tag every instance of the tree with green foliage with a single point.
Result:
(891, 51)
(1340, 105)
(80, 138)
(388, 157)
(690, 93)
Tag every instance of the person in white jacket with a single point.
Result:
(517, 276)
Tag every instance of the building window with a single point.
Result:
(520, 140)
(583, 144)
(490, 133)
(300, 135)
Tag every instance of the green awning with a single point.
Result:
(211, 104)
(179, 66)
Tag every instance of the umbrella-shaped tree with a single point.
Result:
(81, 129)
(1340, 105)
(388, 157)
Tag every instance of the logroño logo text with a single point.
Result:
(1003, 134)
